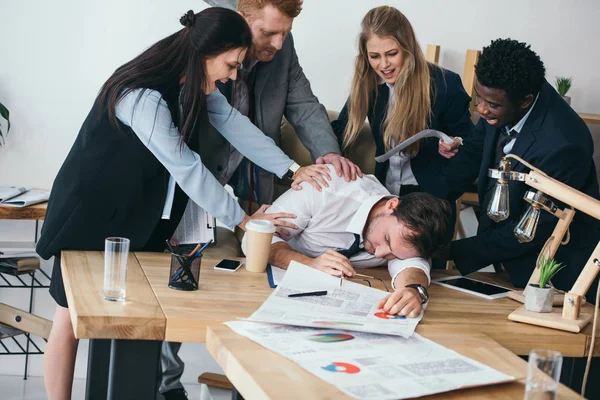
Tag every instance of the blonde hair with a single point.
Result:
(411, 108)
(291, 8)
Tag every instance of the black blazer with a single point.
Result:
(555, 140)
(110, 185)
(449, 114)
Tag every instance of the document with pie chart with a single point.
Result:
(371, 366)
(351, 306)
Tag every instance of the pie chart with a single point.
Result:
(384, 315)
(330, 337)
(342, 367)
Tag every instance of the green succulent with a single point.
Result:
(5, 114)
(563, 85)
(548, 268)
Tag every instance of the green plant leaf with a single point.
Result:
(5, 114)
(548, 269)
(563, 84)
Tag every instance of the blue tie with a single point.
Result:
(354, 249)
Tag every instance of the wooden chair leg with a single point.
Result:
(450, 263)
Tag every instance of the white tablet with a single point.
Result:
(472, 286)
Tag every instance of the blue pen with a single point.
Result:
(189, 261)
(202, 248)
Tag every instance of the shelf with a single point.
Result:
(11, 342)
(590, 118)
(16, 280)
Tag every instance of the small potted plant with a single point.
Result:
(562, 87)
(539, 297)
(4, 114)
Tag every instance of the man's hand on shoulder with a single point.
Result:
(333, 263)
(342, 166)
(404, 301)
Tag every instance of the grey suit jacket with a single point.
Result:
(280, 89)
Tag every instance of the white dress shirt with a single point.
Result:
(399, 171)
(329, 219)
(517, 128)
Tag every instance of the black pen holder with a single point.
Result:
(185, 272)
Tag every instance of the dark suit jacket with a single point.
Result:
(110, 185)
(555, 140)
(280, 88)
(449, 114)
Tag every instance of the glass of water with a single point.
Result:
(116, 252)
(543, 374)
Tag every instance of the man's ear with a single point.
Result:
(527, 101)
(243, 15)
(392, 204)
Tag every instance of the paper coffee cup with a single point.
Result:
(259, 234)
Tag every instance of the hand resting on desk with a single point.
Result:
(405, 301)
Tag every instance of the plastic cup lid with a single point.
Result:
(260, 225)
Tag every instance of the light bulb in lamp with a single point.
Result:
(499, 207)
(527, 226)
(525, 229)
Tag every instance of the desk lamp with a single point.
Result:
(572, 319)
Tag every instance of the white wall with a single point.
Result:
(564, 33)
(55, 55)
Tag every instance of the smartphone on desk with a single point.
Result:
(229, 265)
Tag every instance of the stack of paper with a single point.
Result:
(371, 366)
(351, 306)
(19, 196)
(364, 352)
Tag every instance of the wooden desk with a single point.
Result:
(222, 296)
(225, 296)
(125, 338)
(490, 317)
(35, 212)
(275, 377)
(139, 317)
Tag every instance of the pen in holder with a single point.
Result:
(185, 271)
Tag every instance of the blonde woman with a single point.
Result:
(402, 94)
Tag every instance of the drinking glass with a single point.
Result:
(543, 374)
(116, 252)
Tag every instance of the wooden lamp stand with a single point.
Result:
(570, 318)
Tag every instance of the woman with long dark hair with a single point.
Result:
(134, 163)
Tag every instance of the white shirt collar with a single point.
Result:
(358, 222)
(519, 125)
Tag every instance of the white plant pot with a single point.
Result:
(567, 99)
(539, 299)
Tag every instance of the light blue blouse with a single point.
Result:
(151, 121)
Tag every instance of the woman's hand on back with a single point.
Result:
(316, 175)
(278, 219)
